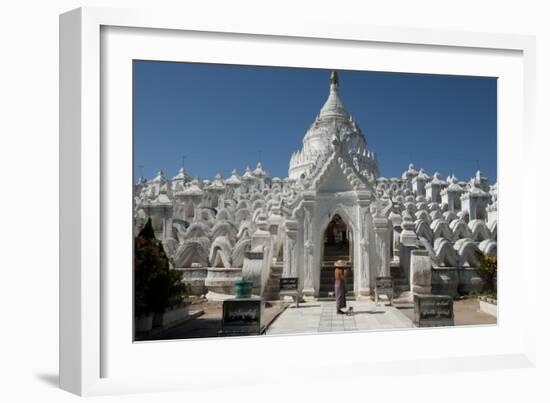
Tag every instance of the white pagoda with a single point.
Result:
(423, 231)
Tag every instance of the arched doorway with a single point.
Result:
(337, 244)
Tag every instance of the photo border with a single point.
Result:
(81, 307)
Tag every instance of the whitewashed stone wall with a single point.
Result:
(215, 223)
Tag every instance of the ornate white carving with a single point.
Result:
(209, 223)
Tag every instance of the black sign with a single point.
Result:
(288, 284)
(242, 316)
(384, 283)
(254, 255)
(433, 310)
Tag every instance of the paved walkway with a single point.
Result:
(320, 316)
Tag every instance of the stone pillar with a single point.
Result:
(433, 189)
(256, 266)
(261, 239)
(421, 272)
(289, 263)
(184, 209)
(419, 186)
(449, 196)
(408, 241)
(492, 213)
(433, 192)
(396, 221)
(309, 288)
(167, 224)
(221, 199)
(468, 205)
(396, 241)
(233, 190)
(382, 231)
(362, 279)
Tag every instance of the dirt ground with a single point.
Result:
(209, 323)
(466, 312)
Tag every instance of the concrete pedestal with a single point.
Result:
(421, 272)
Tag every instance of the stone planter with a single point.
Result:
(488, 305)
(194, 279)
(144, 323)
(172, 315)
(445, 281)
(222, 280)
(469, 281)
(243, 289)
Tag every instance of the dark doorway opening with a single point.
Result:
(337, 244)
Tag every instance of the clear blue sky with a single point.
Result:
(222, 116)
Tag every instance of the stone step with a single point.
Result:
(324, 296)
(330, 277)
(328, 280)
(331, 260)
(330, 274)
(331, 288)
(331, 284)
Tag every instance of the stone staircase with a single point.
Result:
(271, 291)
(400, 282)
(331, 255)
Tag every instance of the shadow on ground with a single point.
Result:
(49, 379)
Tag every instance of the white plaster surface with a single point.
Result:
(491, 309)
(215, 223)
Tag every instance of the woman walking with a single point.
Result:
(340, 284)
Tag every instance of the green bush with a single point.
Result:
(487, 271)
(156, 286)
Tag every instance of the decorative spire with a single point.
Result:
(160, 177)
(233, 179)
(334, 81)
(334, 106)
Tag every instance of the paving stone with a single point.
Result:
(321, 317)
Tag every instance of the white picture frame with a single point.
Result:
(88, 319)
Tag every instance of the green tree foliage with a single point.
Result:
(156, 286)
(487, 271)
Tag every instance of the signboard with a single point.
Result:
(288, 284)
(254, 255)
(433, 310)
(242, 316)
(384, 283)
(384, 286)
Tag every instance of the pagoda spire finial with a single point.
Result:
(334, 80)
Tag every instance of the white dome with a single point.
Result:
(333, 121)
(334, 107)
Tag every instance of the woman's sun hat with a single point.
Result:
(341, 263)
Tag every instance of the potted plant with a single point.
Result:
(243, 288)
